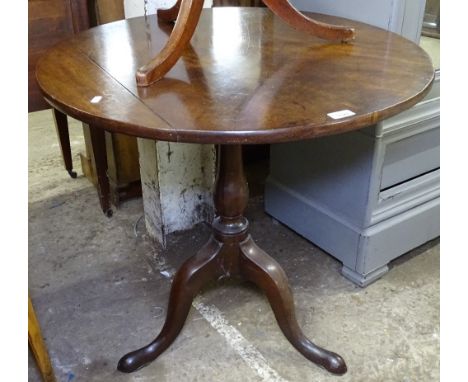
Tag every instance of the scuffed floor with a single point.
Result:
(100, 289)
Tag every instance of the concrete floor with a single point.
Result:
(100, 289)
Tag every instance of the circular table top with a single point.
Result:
(247, 77)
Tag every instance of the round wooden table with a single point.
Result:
(246, 78)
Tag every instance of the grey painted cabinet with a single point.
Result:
(366, 197)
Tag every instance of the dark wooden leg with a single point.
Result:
(99, 158)
(61, 125)
(261, 269)
(231, 252)
(190, 278)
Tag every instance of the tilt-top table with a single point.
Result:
(247, 77)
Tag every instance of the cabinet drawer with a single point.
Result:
(406, 196)
(410, 157)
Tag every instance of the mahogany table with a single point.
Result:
(247, 77)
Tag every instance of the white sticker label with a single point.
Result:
(96, 99)
(341, 114)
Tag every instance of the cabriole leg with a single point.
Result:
(188, 281)
(259, 268)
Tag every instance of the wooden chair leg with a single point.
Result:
(61, 125)
(38, 347)
(285, 10)
(170, 14)
(99, 158)
(185, 25)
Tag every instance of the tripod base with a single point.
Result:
(231, 252)
(216, 260)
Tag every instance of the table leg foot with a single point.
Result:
(258, 267)
(194, 273)
(72, 174)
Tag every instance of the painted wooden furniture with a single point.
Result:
(37, 345)
(378, 198)
(258, 81)
(365, 197)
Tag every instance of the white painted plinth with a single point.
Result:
(177, 181)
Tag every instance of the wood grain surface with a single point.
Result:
(246, 77)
